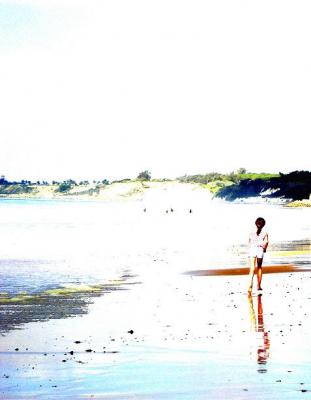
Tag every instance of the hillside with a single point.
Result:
(293, 186)
(166, 192)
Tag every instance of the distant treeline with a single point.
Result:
(64, 187)
(233, 177)
(26, 186)
(72, 182)
(142, 176)
(296, 186)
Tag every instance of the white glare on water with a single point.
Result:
(104, 238)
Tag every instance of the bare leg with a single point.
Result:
(252, 266)
(259, 273)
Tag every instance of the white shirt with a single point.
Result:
(257, 240)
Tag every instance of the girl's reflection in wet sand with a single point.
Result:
(257, 324)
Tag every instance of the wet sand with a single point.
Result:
(267, 269)
(170, 336)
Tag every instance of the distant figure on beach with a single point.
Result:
(258, 243)
(190, 211)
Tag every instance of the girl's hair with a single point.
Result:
(261, 222)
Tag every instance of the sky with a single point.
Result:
(99, 89)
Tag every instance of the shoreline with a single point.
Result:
(146, 342)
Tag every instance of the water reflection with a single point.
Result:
(257, 324)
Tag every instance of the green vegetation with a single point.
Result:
(203, 179)
(9, 189)
(87, 192)
(254, 175)
(295, 185)
(216, 186)
(299, 203)
(64, 187)
(144, 176)
(215, 181)
(241, 184)
(126, 180)
(63, 291)
(132, 192)
(162, 180)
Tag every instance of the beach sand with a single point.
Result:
(146, 314)
(167, 337)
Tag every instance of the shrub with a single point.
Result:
(144, 176)
(64, 187)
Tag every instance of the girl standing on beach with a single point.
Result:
(258, 243)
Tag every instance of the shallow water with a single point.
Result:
(46, 244)
(92, 271)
